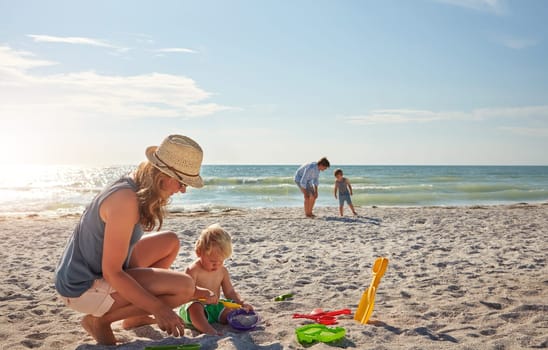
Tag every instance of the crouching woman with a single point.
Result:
(110, 270)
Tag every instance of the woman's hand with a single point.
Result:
(170, 322)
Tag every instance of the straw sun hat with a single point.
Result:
(179, 157)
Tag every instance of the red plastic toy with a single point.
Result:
(326, 318)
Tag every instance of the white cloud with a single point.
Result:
(400, 116)
(89, 94)
(396, 116)
(492, 6)
(74, 40)
(176, 50)
(20, 60)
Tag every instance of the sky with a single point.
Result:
(422, 82)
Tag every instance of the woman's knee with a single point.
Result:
(188, 285)
(156, 250)
(178, 286)
(172, 241)
(185, 288)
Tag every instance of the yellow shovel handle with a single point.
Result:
(379, 268)
(228, 304)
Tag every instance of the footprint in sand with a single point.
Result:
(30, 343)
(496, 306)
(488, 332)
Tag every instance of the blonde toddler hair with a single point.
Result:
(214, 236)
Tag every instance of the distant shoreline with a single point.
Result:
(55, 191)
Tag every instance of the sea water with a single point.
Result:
(58, 190)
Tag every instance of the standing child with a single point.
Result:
(212, 248)
(345, 191)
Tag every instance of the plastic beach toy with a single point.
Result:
(192, 346)
(242, 320)
(230, 304)
(365, 307)
(322, 317)
(283, 297)
(227, 304)
(319, 332)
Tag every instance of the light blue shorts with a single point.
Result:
(343, 198)
(309, 189)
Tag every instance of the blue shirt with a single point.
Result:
(308, 175)
(81, 263)
(343, 186)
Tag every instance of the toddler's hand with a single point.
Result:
(206, 295)
(247, 307)
(212, 299)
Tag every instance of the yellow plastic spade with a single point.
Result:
(226, 303)
(365, 307)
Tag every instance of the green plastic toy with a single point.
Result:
(283, 297)
(319, 332)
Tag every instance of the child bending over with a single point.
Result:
(208, 271)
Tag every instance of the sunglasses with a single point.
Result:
(175, 172)
(182, 185)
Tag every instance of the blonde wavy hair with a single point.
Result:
(214, 236)
(151, 203)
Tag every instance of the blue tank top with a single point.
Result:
(343, 188)
(80, 264)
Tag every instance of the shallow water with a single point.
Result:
(58, 190)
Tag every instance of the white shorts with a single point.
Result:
(95, 301)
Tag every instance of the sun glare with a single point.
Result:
(20, 144)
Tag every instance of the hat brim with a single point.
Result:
(193, 181)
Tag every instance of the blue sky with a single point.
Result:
(284, 82)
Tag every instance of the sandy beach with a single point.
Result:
(458, 278)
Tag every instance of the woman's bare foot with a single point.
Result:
(101, 332)
(137, 321)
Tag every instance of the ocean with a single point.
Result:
(60, 190)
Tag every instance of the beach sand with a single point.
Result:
(458, 278)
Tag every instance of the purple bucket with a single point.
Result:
(243, 320)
